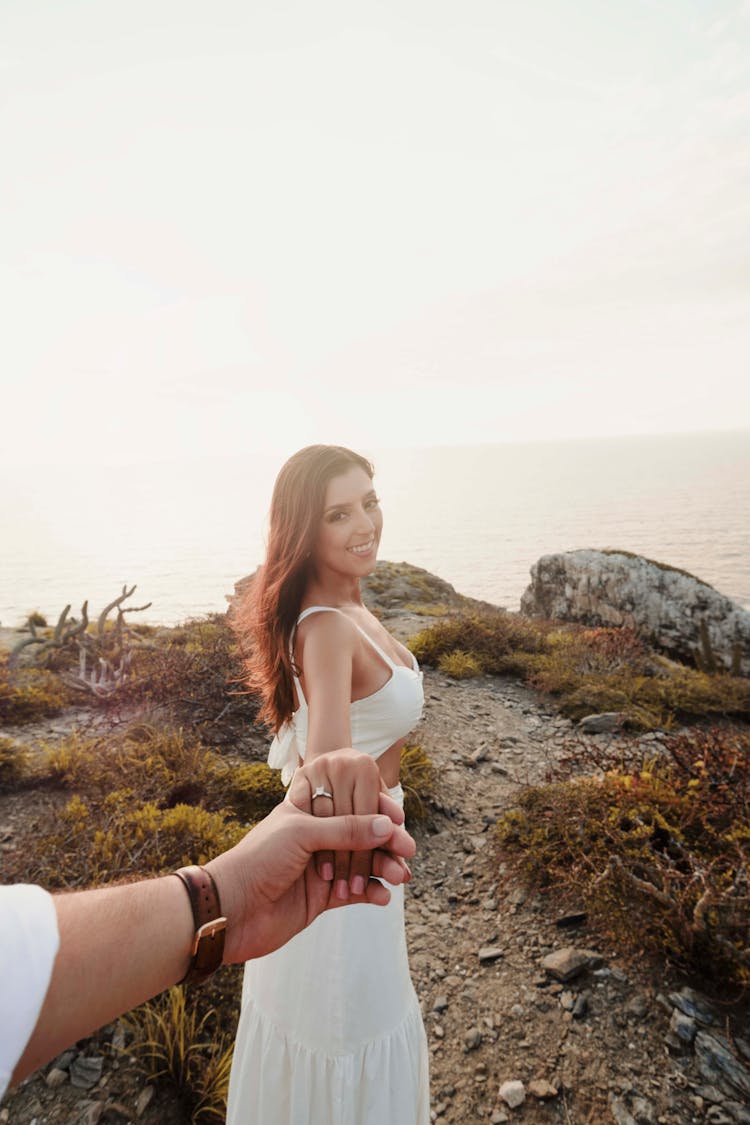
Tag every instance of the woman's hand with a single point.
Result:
(335, 784)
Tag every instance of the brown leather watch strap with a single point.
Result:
(210, 925)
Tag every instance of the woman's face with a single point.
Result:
(350, 526)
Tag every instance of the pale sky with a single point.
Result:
(241, 226)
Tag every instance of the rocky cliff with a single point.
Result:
(673, 610)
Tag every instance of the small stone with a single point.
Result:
(86, 1070)
(683, 1026)
(144, 1100)
(568, 963)
(517, 1010)
(570, 919)
(637, 1006)
(602, 723)
(472, 1039)
(499, 1117)
(118, 1039)
(63, 1061)
(512, 1093)
(739, 1113)
(692, 1004)
(643, 1111)
(718, 1065)
(620, 1113)
(4, 1116)
(567, 1000)
(438, 1031)
(90, 1113)
(710, 1094)
(441, 1003)
(717, 1116)
(542, 1089)
(488, 954)
(56, 1077)
(581, 1006)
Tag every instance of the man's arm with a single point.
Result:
(119, 946)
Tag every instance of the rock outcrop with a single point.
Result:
(673, 610)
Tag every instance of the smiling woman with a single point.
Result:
(330, 1029)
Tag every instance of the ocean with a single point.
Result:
(478, 516)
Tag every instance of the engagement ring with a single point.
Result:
(320, 791)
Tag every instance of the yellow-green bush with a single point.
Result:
(460, 665)
(492, 638)
(29, 694)
(164, 766)
(587, 670)
(251, 790)
(418, 779)
(659, 853)
(174, 1039)
(99, 843)
(14, 764)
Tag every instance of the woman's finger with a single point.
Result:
(343, 806)
(365, 799)
(391, 868)
(391, 808)
(322, 805)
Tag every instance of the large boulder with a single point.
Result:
(673, 610)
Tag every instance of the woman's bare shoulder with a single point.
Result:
(324, 630)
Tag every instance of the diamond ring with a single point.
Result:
(321, 791)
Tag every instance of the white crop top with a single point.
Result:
(377, 721)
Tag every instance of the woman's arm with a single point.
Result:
(327, 657)
(327, 660)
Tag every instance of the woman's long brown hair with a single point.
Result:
(266, 616)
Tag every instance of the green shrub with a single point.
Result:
(14, 764)
(99, 843)
(158, 765)
(251, 790)
(658, 854)
(195, 671)
(493, 639)
(37, 619)
(587, 670)
(165, 767)
(29, 694)
(418, 777)
(460, 665)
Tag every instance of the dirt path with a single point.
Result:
(496, 1016)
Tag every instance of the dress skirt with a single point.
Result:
(330, 1031)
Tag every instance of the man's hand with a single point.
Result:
(268, 884)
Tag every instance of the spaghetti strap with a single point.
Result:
(333, 609)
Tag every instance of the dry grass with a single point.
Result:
(585, 670)
(418, 779)
(174, 1040)
(658, 851)
(29, 694)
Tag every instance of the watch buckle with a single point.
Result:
(208, 930)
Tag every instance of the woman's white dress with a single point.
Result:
(330, 1031)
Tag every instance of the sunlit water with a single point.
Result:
(477, 516)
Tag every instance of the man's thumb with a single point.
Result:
(352, 832)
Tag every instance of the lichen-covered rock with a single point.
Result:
(671, 609)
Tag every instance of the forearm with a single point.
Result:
(119, 946)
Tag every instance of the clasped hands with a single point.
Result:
(293, 866)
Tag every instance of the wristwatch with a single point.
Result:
(210, 925)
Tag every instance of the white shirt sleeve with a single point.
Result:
(29, 940)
